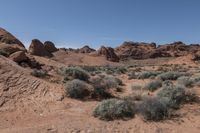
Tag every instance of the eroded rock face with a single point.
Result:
(37, 48)
(8, 38)
(19, 56)
(50, 47)
(109, 53)
(86, 49)
(10, 49)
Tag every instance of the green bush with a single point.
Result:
(172, 75)
(154, 109)
(77, 89)
(132, 75)
(153, 85)
(114, 109)
(71, 73)
(146, 75)
(39, 73)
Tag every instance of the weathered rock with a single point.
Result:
(11, 48)
(50, 47)
(86, 49)
(134, 50)
(196, 56)
(109, 53)
(19, 56)
(8, 38)
(37, 48)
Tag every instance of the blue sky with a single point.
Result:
(74, 23)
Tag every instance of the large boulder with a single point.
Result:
(50, 47)
(19, 56)
(109, 53)
(8, 38)
(37, 48)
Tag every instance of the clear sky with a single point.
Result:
(74, 23)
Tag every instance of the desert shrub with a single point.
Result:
(39, 73)
(136, 87)
(77, 89)
(174, 94)
(154, 109)
(186, 81)
(4, 53)
(132, 75)
(153, 85)
(102, 85)
(71, 73)
(146, 75)
(114, 109)
(171, 75)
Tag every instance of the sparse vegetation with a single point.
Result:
(77, 89)
(71, 73)
(154, 109)
(39, 73)
(114, 109)
(186, 81)
(174, 94)
(153, 85)
(146, 75)
(171, 75)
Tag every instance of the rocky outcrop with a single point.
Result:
(8, 38)
(50, 47)
(134, 50)
(109, 53)
(142, 50)
(37, 48)
(19, 56)
(86, 49)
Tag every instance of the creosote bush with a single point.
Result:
(71, 73)
(77, 89)
(153, 85)
(112, 109)
(154, 109)
(39, 73)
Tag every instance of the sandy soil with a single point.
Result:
(32, 105)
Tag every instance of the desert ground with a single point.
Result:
(98, 91)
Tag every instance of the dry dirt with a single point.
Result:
(33, 105)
